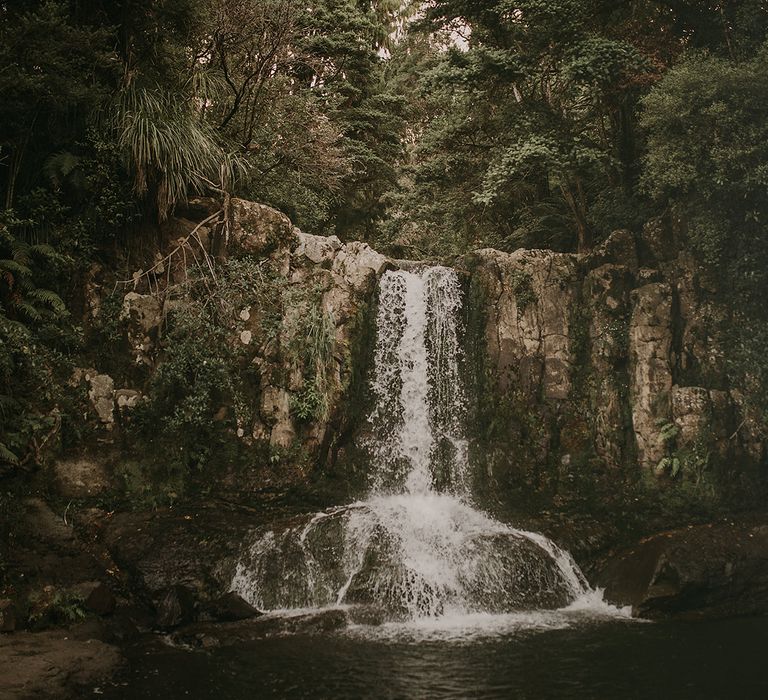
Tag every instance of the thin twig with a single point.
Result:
(180, 247)
(736, 432)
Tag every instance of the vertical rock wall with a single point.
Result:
(599, 370)
(584, 372)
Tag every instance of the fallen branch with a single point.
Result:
(180, 247)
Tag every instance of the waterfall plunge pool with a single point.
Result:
(570, 657)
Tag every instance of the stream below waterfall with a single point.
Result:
(606, 660)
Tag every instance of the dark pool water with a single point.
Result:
(587, 659)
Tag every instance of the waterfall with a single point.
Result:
(416, 547)
(418, 417)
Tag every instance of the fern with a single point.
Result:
(28, 311)
(43, 250)
(15, 268)
(59, 166)
(7, 456)
(49, 299)
(7, 405)
(669, 431)
(19, 251)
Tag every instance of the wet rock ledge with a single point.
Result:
(700, 571)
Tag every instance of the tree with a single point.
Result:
(536, 101)
(55, 73)
(707, 159)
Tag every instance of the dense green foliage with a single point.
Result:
(426, 129)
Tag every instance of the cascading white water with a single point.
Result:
(418, 418)
(416, 547)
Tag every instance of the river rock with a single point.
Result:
(96, 597)
(231, 607)
(176, 606)
(195, 548)
(213, 634)
(700, 571)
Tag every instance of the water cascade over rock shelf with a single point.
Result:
(417, 546)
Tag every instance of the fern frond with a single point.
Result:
(50, 299)
(20, 251)
(7, 456)
(43, 250)
(29, 311)
(59, 166)
(15, 267)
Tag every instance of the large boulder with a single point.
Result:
(699, 571)
(194, 548)
(231, 607)
(257, 229)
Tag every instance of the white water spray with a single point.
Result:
(416, 548)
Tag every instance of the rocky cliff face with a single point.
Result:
(296, 330)
(588, 372)
(589, 378)
(599, 370)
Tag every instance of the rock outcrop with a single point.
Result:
(590, 371)
(53, 664)
(700, 571)
(584, 371)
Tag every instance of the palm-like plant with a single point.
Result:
(171, 150)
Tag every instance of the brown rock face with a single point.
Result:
(607, 291)
(650, 347)
(593, 368)
(583, 370)
(531, 294)
(258, 229)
